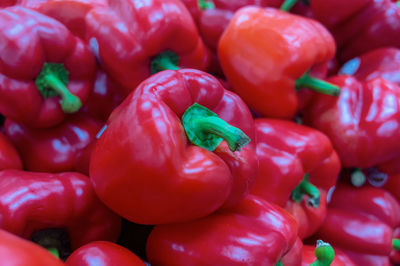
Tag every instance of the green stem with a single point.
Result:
(203, 4)
(324, 254)
(55, 252)
(358, 177)
(398, 4)
(396, 244)
(306, 188)
(205, 129)
(288, 4)
(165, 60)
(318, 85)
(52, 81)
(279, 263)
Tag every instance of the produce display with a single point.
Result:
(200, 132)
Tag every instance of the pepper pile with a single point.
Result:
(199, 132)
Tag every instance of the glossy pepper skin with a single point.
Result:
(362, 123)
(254, 232)
(146, 142)
(287, 152)
(9, 157)
(15, 251)
(360, 26)
(260, 60)
(382, 62)
(143, 29)
(57, 149)
(71, 13)
(35, 201)
(361, 222)
(103, 253)
(42, 45)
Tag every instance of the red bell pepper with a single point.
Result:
(151, 36)
(41, 62)
(360, 26)
(103, 253)
(56, 149)
(363, 123)
(31, 203)
(294, 256)
(324, 254)
(297, 166)
(383, 63)
(15, 251)
(9, 157)
(105, 97)
(71, 13)
(6, 3)
(254, 232)
(144, 150)
(360, 222)
(266, 55)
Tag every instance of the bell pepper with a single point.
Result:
(103, 253)
(42, 64)
(382, 62)
(360, 26)
(294, 256)
(266, 66)
(254, 232)
(15, 251)
(145, 152)
(362, 123)
(105, 97)
(56, 149)
(360, 222)
(297, 167)
(9, 157)
(6, 3)
(324, 254)
(151, 36)
(34, 205)
(71, 13)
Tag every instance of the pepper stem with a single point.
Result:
(287, 5)
(324, 254)
(398, 4)
(165, 60)
(52, 81)
(396, 244)
(358, 177)
(279, 263)
(318, 85)
(205, 129)
(306, 188)
(203, 5)
(55, 252)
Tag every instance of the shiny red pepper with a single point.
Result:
(360, 25)
(294, 255)
(9, 157)
(382, 63)
(41, 62)
(32, 202)
(144, 150)
(254, 232)
(360, 222)
(56, 149)
(151, 36)
(103, 253)
(71, 13)
(15, 251)
(323, 255)
(362, 123)
(297, 166)
(266, 55)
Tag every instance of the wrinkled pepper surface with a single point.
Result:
(43, 64)
(31, 203)
(145, 168)
(254, 232)
(297, 167)
(265, 66)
